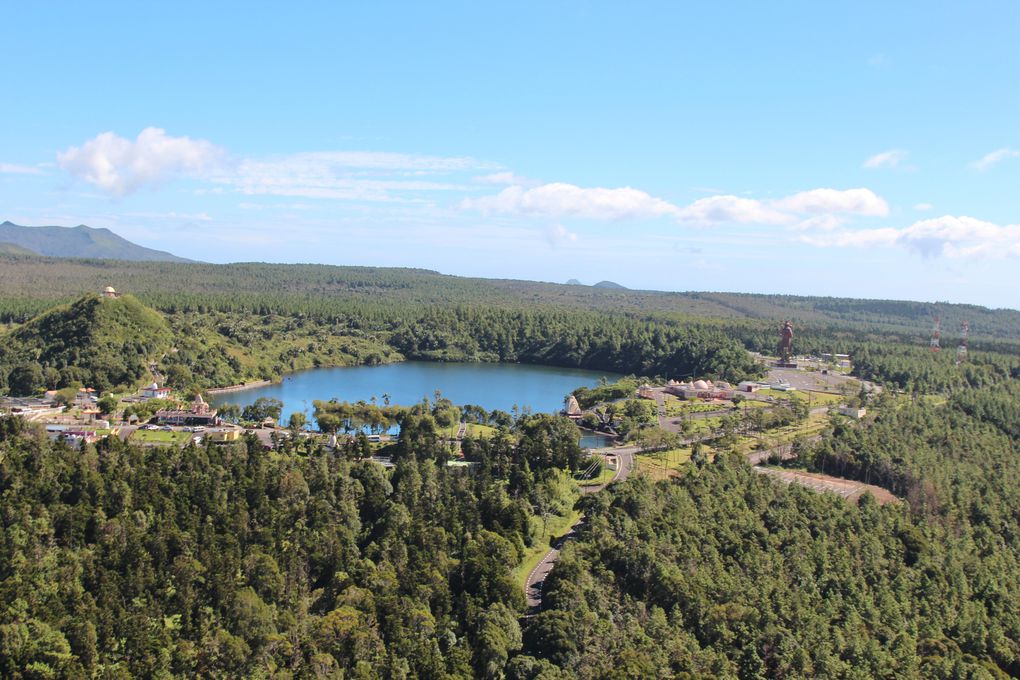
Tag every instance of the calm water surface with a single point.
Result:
(491, 386)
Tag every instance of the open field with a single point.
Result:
(664, 464)
(161, 437)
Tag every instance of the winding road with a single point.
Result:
(536, 579)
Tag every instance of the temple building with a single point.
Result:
(571, 408)
(198, 414)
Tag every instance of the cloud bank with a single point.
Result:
(559, 199)
(948, 236)
(120, 166)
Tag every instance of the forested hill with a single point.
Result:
(32, 285)
(80, 241)
(101, 342)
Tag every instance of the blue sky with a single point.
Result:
(850, 149)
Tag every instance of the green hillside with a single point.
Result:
(32, 285)
(80, 241)
(99, 342)
(15, 249)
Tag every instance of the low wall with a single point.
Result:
(238, 388)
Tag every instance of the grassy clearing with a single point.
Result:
(663, 464)
(814, 425)
(680, 407)
(481, 431)
(160, 437)
(604, 477)
(556, 527)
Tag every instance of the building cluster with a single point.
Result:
(700, 389)
(199, 413)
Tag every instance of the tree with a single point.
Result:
(263, 408)
(230, 412)
(25, 379)
(108, 404)
(297, 421)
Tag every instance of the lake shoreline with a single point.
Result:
(490, 385)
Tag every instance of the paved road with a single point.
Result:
(536, 579)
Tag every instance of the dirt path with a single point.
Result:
(848, 489)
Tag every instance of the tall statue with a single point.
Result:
(785, 348)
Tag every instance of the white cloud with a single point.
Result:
(816, 209)
(120, 166)
(558, 235)
(351, 176)
(715, 209)
(820, 223)
(12, 169)
(949, 235)
(506, 178)
(855, 201)
(923, 206)
(567, 200)
(886, 159)
(993, 158)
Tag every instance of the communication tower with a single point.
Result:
(961, 349)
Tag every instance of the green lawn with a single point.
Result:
(784, 435)
(665, 464)
(557, 526)
(161, 437)
(604, 477)
(480, 431)
(679, 407)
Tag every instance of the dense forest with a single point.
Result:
(32, 285)
(230, 560)
(236, 323)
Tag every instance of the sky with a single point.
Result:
(852, 149)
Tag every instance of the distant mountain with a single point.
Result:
(609, 284)
(12, 249)
(80, 241)
(574, 282)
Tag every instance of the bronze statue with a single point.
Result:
(785, 348)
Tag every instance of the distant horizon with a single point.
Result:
(803, 149)
(581, 283)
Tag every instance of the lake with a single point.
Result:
(491, 386)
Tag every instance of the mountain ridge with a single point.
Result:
(81, 241)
